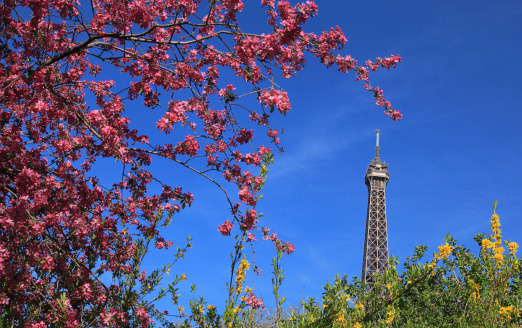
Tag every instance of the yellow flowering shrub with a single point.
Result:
(463, 290)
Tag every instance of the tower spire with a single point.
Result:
(377, 158)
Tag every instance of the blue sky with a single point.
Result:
(457, 149)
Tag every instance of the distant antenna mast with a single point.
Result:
(375, 257)
(377, 146)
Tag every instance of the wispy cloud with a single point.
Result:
(317, 141)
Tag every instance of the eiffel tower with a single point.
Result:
(375, 257)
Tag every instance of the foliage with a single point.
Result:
(455, 289)
(74, 77)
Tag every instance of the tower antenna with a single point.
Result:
(377, 158)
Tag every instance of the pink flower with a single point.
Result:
(263, 150)
(225, 228)
(142, 276)
(159, 245)
(276, 98)
(273, 237)
(188, 147)
(395, 115)
(289, 248)
(249, 220)
(246, 197)
(4, 300)
(226, 91)
(254, 302)
(251, 237)
(145, 319)
(272, 133)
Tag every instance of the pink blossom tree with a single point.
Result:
(61, 111)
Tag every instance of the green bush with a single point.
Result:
(455, 289)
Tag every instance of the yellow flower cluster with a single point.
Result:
(240, 275)
(357, 325)
(341, 320)
(487, 244)
(494, 243)
(444, 252)
(498, 251)
(495, 227)
(359, 306)
(391, 317)
(505, 311)
(344, 297)
(513, 247)
(476, 288)
(176, 298)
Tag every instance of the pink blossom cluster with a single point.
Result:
(62, 114)
(276, 98)
(286, 247)
(225, 228)
(249, 220)
(254, 302)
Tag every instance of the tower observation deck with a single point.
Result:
(375, 257)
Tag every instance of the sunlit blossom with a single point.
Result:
(444, 251)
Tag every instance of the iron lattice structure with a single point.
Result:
(375, 258)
